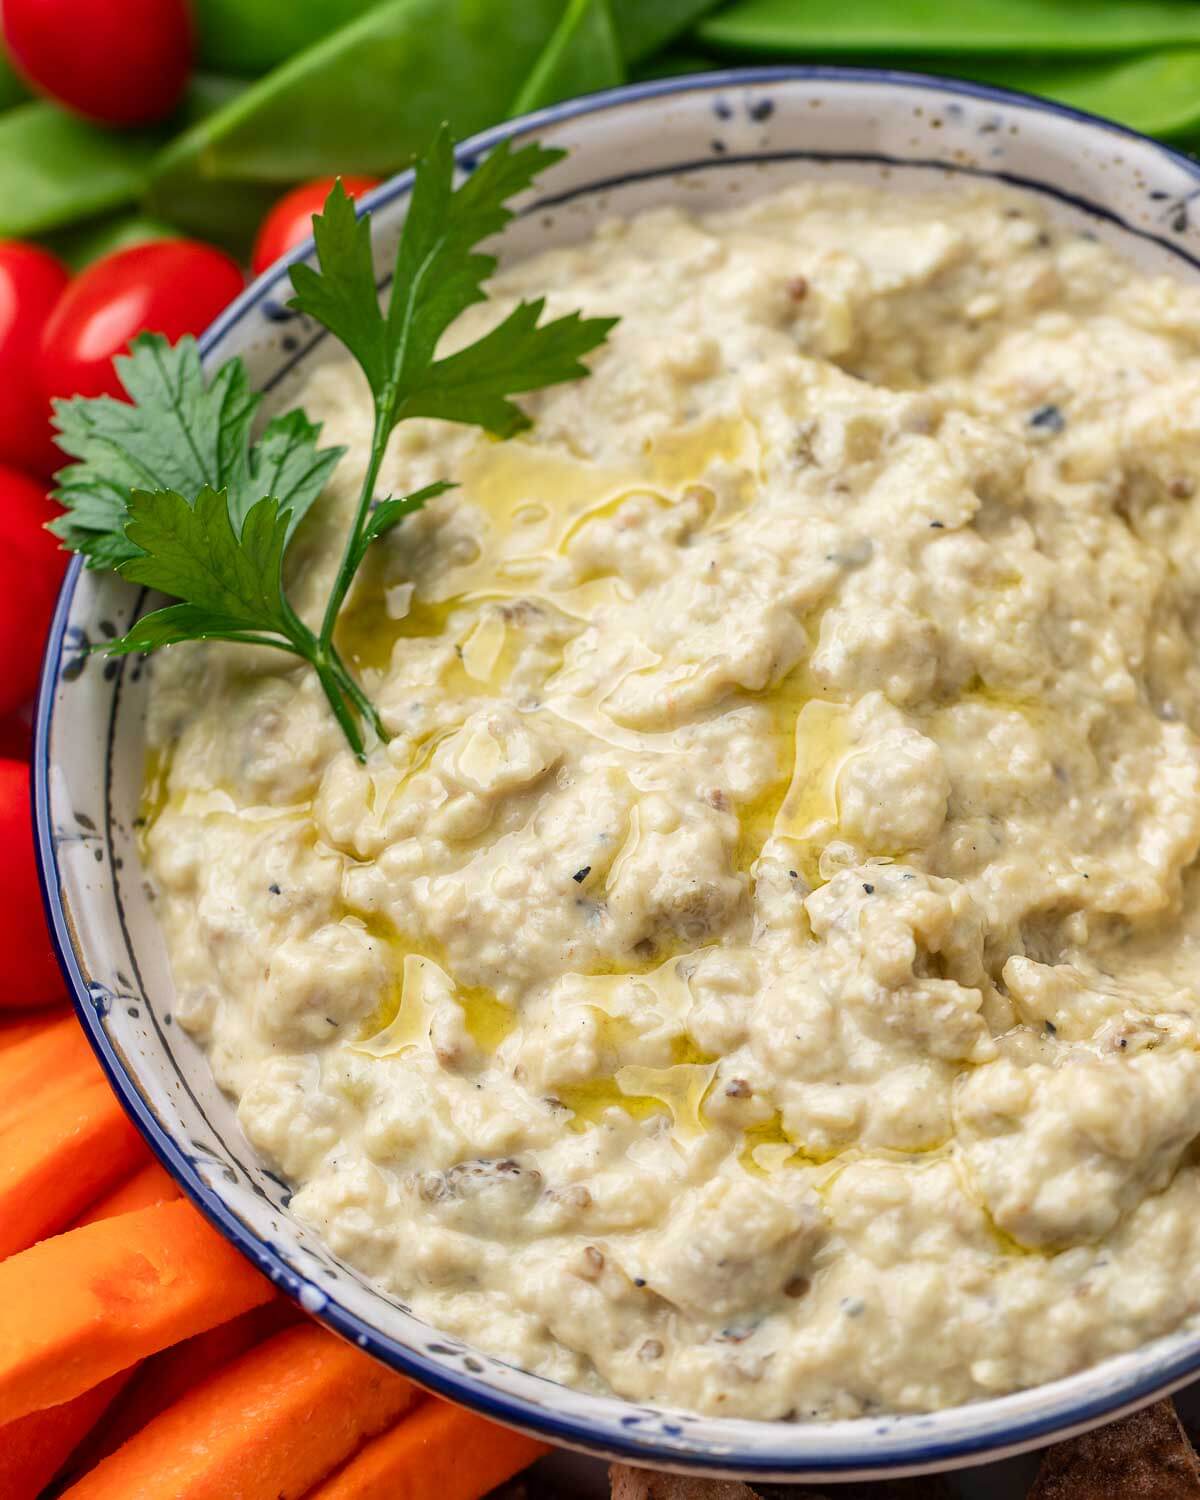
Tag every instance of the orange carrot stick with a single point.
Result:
(33, 1450)
(268, 1427)
(36, 1448)
(50, 1061)
(81, 1306)
(23, 1025)
(439, 1451)
(58, 1158)
(167, 1377)
(148, 1185)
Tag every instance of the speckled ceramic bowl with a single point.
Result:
(708, 141)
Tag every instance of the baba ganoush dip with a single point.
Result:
(760, 973)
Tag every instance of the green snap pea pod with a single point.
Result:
(84, 243)
(206, 93)
(56, 170)
(249, 37)
(813, 28)
(583, 56)
(675, 63)
(366, 99)
(12, 86)
(221, 210)
(1158, 94)
(646, 26)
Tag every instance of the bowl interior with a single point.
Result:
(706, 142)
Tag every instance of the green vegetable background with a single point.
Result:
(293, 89)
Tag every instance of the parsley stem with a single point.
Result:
(350, 552)
(251, 638)
(345, 718)
(356, 695)
(333, 677)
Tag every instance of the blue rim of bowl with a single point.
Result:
(911, 1446)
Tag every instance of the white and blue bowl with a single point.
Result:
(709, 141)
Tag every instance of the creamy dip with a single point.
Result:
(759, 975)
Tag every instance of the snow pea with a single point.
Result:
(80, 245)
(249, 37)
(674, 64)
(366, 99)
(1158, 93)
(12, 87)
(582, 56)
(646, 26)
(1030, 27)
(56, 170)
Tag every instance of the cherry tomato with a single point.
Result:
(121, 62)
(16, 736)
(31, 282)
(31, 973)
(290, 220)
(31, 569)
(167, 286)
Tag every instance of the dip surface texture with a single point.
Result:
(759, 975)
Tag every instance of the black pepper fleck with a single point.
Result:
(274, 889)
(937, 525)
(581, 875)
(870, 889)
(1048, 418)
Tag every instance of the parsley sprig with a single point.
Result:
(170, 489)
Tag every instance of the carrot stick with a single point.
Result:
(167, 1377)
(58, 1158)
(268, 1427)
(81, 1306)
(157, 1382)
(34, 1449)
(50, 1061)
(22, 1026)
(148, 1185)
(440, 1452)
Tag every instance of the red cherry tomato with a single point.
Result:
(31, 973)
(16, 736)
(31, 569)
(121, 62)
(168, 286)
(290, 220)
(31, 282)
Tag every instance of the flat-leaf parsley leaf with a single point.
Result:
(170, 489)
(177, 433)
